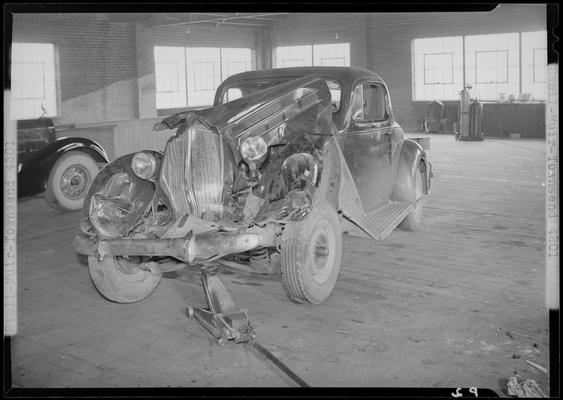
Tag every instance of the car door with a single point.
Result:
(367, 143)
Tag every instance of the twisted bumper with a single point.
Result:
(202, 246)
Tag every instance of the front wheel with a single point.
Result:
(69, 181)
(413, 220)
(311, 252)
(123, 280)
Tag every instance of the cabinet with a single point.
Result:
(502, 119)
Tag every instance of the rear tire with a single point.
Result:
(311, 252)
(70, 180)
(121, 280)
(413, 220)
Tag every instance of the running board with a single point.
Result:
(381, 221)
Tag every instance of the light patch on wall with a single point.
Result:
(147, 99)
(113, 103)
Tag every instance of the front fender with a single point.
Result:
(412, 154)
(117, 185)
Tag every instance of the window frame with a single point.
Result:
(190, 82)
(374, 123)
(531, 42)
(422, 89)
(318, 49)
(451, 82)
(478, 52)
(520, 75)
(50, 81)
(534, 50)
(181, 92)
(311, 58)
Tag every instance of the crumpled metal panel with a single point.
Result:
(293, 117)
(192, 175)
(350, 204)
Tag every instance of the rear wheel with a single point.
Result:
(311, 252)
(124, 280)
(69, 181)
(413, 220)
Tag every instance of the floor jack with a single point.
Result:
(228, 324)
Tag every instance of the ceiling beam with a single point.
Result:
(240, 23)
(265, 19)
(221, 19)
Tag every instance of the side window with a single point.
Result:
(370, 103)
(232, 94)
(335, 92)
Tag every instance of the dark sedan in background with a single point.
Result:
(63, 168)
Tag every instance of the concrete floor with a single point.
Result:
(461, 303)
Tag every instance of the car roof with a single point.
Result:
(342, 74)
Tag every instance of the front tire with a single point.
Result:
(413, 220)
(311, 252)
(123, 281)
(70, 180)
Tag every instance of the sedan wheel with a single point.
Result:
(124, 280)
(70, 180)
(311, 252)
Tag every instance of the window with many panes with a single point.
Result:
(495, 66)
(438, 68)
(534, 60)
(492, 65)
(334, 54)
(294, 56)
(189, 76)
(204, 74)
(170, 75)
(33, 81)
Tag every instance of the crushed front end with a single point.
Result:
(229, 179)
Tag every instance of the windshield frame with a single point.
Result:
(222, 90)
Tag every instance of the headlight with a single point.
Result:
(144, 165)
(253, 149)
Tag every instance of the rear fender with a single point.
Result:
(412, 155)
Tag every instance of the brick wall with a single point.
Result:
(382, 42)
(106, 69)
(96, 63)
(390, 36)
(323, 28)
(199, 36)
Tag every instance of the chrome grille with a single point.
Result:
(192, 173)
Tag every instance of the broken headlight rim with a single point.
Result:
(254, 149)
(144, 165)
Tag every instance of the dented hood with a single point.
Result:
(261, 111)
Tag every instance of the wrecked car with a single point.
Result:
(283, 160)
(62, 167)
